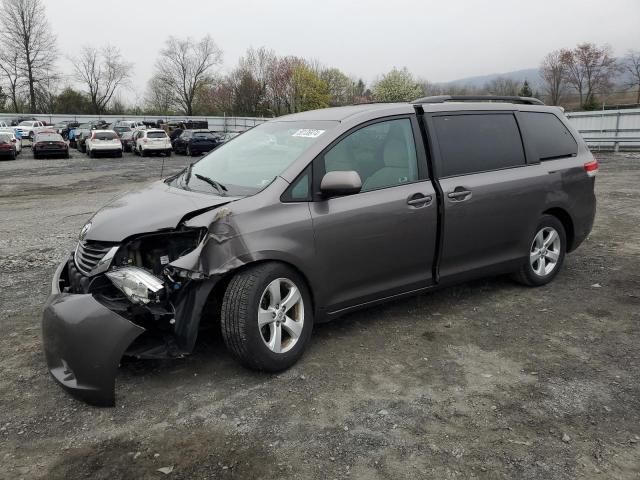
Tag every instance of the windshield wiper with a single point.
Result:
(187, 174)
(222, 190)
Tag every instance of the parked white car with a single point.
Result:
(126, 129)
(152, 141)
(29, 128)
(6, 127)
(104, 142)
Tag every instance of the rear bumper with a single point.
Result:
(156, 148)
(83, 342)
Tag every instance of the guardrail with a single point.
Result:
(609, 129)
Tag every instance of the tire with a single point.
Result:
(248, 293)
(90, 153)
(13, 155)
(143, 153)
(119, 154)
(545, 248)
(168, 154)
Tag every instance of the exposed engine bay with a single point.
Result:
(142, 286)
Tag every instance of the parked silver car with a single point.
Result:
(310, 216)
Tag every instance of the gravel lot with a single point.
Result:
(486, 380)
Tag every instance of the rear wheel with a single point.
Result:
(267, 317)
(546, 254)
(91, 154)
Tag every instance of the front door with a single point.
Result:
(381, 241)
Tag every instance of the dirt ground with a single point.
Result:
(487, 380)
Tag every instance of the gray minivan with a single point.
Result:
(310, 216)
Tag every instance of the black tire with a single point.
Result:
(526, 275)
(119, 154)
(13, 155)
(239, 317)
(91, 154)
(168, 153)
(143, 153)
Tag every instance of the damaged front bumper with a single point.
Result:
(84, 342)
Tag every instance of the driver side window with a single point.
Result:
(383, 154)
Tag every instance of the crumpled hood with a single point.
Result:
(150, 209)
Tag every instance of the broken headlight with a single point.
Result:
(137, 284)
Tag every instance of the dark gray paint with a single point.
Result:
(354, 250)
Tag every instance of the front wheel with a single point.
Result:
(267, 317)
(546, 253)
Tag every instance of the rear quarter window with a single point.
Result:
(549, 135)
(478, 143)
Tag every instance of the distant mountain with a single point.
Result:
(532, 75)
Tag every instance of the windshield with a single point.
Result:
(251, 162)
(5, 138)
(48, 137)
(104, 136)
(25, 124)
(205, 135)
(156, 135)
(122, 129)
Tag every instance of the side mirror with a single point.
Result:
(340, 183)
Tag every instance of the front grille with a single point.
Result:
(89, 253)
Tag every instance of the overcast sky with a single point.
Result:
(437, 40)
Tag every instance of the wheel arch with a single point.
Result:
(567, 222)
(215, 296)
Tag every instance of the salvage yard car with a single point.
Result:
(310, 216)
(103, 142)
(8, 146)
(152, 141)
(196, 142)
(48, 143)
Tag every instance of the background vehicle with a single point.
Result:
(49, 144)
(29, 128)
(280, 227)
(196, 142)
(16, 121)
(125, 130)
(104, 142)
(65, 126)
(8, 147)
(152, 141)
(82, 132)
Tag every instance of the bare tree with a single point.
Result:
(101, 71)
(47, 90)
(158, 99)
(24, 26)
(502, 86)
(632, 65)
(590, 70)
(185, 67)
(553, 73)
(10, 69)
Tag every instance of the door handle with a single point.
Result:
(458, 194)
(419, 200)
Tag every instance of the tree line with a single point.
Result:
(187, 79)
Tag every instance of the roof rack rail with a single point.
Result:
(479, 98)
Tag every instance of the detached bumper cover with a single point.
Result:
(83, 344)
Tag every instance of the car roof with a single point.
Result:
(154, 130)
(340, 114)
(106, 130)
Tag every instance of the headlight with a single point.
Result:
(137, 284)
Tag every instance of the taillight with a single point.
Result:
(591, 167)
(144, 141)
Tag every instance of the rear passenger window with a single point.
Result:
(549, 135)
(478, 143)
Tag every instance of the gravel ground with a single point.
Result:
(485, 380)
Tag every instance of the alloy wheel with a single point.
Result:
(281, 315)
(545, 251)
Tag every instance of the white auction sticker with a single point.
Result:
(308, 133)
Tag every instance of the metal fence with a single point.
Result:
(609, 129)
(218, 124)
(602, 129)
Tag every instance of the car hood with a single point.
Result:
(150, 209)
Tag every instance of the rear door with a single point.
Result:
(381, 241)
(491, 199)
